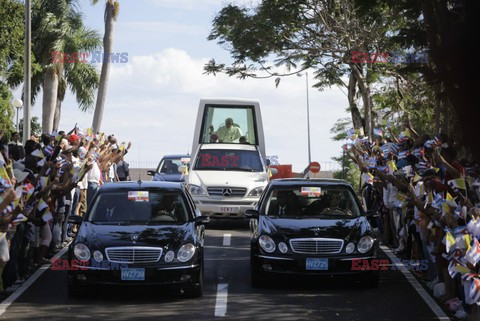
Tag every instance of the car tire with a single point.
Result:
(370, 280)
(196, 290)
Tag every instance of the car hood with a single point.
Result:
(346, 229)
(101, 236)
(228, 178)
(169, 177)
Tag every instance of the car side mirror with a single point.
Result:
(274, 171)
(75, 219)
(252, 214)
(202, 220)
(181, 168)
(372, 214)
(151, 173)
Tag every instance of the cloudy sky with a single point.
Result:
(153, 99)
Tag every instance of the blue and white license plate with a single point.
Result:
(133, 274)
(317, 264)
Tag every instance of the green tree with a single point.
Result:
(58, 27)
(11, 56)
(35, 127)
(448, 29)
(318, 34)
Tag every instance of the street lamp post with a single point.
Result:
(17, 103)
(308, 118)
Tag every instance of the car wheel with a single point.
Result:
(370, 280)
(196, 290)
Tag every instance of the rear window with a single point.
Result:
(312, 201)
(172, 165)
(139, 207)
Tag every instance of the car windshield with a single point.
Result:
(171, 165)
(312, 201)
(139, 207)
(229, 160)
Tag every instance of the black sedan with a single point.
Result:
(139, 233)
(311, 227)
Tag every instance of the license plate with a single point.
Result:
(317, 264)
(227, 209)
(133, 274)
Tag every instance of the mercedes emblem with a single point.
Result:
(227, 192)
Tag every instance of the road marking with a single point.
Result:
(18, 292)
(221, 301)
(226, 239)
(416, 285)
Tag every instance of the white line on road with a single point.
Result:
(221, 302)
(18, 292)
(417, 286)
(226, 239)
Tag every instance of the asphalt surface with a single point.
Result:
(227, 292)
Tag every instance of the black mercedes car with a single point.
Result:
(139, 233)
(311, 227)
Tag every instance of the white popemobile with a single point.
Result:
(229, 171)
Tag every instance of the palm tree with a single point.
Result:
(58, 26)
(111, 13)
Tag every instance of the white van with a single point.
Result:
(228, 171)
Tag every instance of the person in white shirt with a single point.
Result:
(94, 181)
(228, 133)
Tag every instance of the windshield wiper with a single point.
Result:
(241, 169)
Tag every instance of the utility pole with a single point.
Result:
(308, 123)
(308, 118)
(27, 71)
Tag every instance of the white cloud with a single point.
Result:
(178, 82)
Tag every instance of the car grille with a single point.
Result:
(220, 191)
(133, 254)
(316, 246)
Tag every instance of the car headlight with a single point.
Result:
(195, 190)
(365, 244)
(350, 247)
(266, 243)
(283, 247)
(256, 191)
(81, 252)
(169, 256)
(186, 252)
(98, 256)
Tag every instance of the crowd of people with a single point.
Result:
(428, 198)
(42, 183)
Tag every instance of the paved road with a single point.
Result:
(227, 292)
